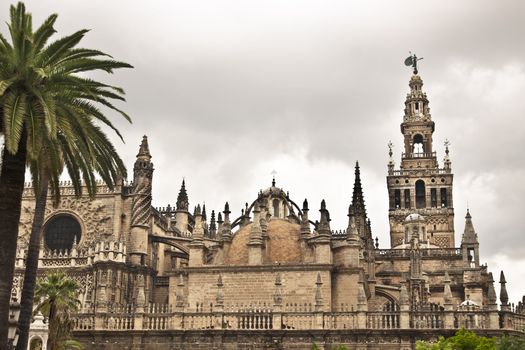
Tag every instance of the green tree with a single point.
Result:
(511, 343)
(462, 340)
(46, 104)
(44, 173)
(57, 299)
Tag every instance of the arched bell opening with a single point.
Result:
(417, 144)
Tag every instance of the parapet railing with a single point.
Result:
(430, 253)
(418, 155)
(402, 172)
(164, 317)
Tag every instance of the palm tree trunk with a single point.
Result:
(28, 290)
(11, 188)
(52, 325)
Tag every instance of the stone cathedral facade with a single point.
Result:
(278, 276)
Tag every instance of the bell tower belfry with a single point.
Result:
(420, 185)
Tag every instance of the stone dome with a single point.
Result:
(283, 244)
(414, 217)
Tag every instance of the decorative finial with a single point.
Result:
(446, 143)
(412, 61)
(390, 146)
(273, 177)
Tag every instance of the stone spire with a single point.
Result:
(503, 295)
(446, 160)
(416, 103)
(204, 215)
(358, 200)
(198, 231)
(323, 228)
(256, 232)
(491, 295)
(141, 204)
(305, 224)
(182, 198)
(144, 153)
(351, 231)
(391, 163)
(226, 228)
(469, 234)
(213, 225)
(255, 244)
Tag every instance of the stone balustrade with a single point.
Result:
(164, 317)
(102, 251)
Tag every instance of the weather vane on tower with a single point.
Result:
(412, 61)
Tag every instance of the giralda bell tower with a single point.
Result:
(420, 185)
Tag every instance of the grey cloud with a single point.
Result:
(229, 90)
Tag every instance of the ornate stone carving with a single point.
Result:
(141, 207)
(93, 219)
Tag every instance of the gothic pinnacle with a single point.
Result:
(469, 234)
(182, 198)
(503, 295)
(213, 224)
(358, 201)
(204, 216)
(323, 228)
(144, 153)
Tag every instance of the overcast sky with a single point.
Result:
(228, 91)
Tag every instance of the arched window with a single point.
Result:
(61, 231)
(276, 208)
(36, 343)
(418, 144)
(420, 194)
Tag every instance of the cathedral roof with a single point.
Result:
(283, 244)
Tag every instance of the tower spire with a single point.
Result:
(141, 203)
(469, 234)
(144, 154)
(420, 185)
(358, 200)
(182, 198)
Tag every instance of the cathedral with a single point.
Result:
(278, 276)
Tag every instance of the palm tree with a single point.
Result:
(58, 298)
(45, 102)
(45, 171)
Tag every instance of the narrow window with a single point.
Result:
(420, 194)
(407, 199)
(433, 198)
(276, 208)
(397, 199)
(443, 194)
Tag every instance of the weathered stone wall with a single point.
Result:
(245, 285)
(103, 218)
(255, 340)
